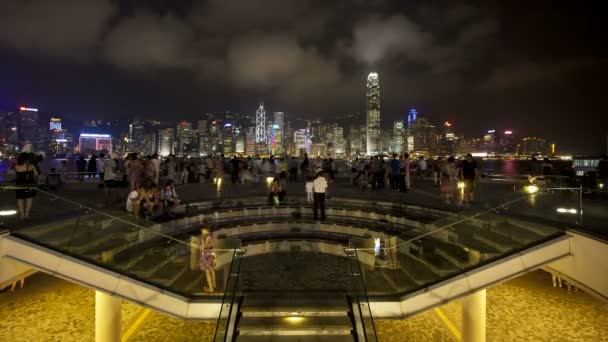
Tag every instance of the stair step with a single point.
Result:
(295, 325)
(298, 338)
(324, 304)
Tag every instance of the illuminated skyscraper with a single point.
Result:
(185, 139)
(28, 127)
(411, 117)
(373, 114)
(250, 141)
(398, 137)
(165, 141)
(260, 124)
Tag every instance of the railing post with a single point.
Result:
(474, 317)
(107, 317)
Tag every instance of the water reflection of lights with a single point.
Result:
(461, 185)
(567, 210)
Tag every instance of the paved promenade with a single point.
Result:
(527, 308)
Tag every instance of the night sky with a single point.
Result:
(536, 67)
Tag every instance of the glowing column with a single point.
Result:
(107, 318)
(474, 317)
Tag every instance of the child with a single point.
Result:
(308, 187)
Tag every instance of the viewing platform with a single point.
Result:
(382, 253)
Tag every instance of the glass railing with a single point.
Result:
(459, 241)
(164, 255)
(364, 322)
(230, 301)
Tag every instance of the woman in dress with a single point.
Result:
(25, 177)
(208, 260)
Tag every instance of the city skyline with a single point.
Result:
(482, 66)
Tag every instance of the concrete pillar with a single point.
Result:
(474, 317)
(107, 318)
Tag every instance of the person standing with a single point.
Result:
(319, 187)
(448, 175)
(304, 167)
(236, 168)
(309, 190)
(101, 166)
(395, 169)
(422, 167)
(405, 173)
(81, 167)
(207, 261)
(92, 166)
(469, 176)
(25, 177)
(293, 169)
(110, 177)
(156, 164)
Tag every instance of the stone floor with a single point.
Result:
(528, 308)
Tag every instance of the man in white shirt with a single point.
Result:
(319, 186)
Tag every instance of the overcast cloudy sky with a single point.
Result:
(536, 67)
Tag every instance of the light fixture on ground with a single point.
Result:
(8, 212)
(531, 189)
(566, 210)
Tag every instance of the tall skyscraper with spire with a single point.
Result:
(260, 124)
(373, 114)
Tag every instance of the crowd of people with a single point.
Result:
(152, 180)
(400, 171)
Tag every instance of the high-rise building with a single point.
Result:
(424, 136)
(373, 114)
(398, 136)
(55, 124)
(411, 117)
(250, 141)
(137, 132)
(228, 140)
(507, 142)
(93, 143)
(165, 141)
(336, 140)
(260, 124)
(186, 139)
(534, 146)
(28, 127)
(299, 139)
(448, 139)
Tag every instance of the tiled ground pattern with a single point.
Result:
(525, 309)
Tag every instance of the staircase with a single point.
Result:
(292, 316)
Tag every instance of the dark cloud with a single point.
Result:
(148, 41)
(376, 38)
(69, 29)
(519, 74)
(314, 55)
